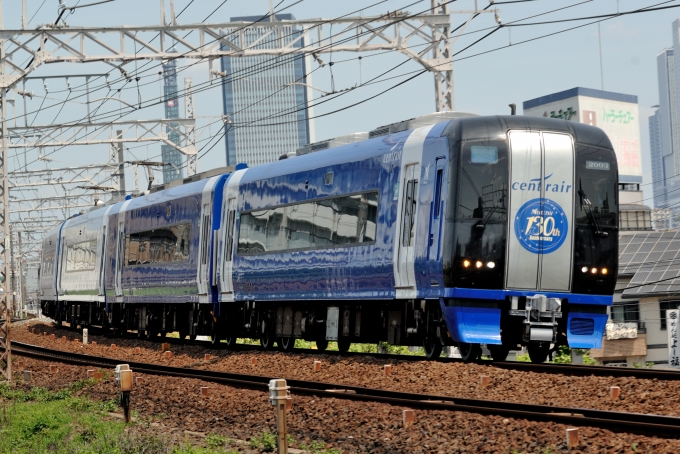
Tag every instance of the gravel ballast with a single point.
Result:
(446, 379)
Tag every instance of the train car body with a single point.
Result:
(481, 230)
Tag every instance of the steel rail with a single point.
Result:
(649, 424)
(549, 368)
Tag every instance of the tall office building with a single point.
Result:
(169, 154)
(664, 135)
(265, 98)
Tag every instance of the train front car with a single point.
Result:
(531, 238)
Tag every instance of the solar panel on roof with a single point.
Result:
(661, 246)
(669, 255)
(653, 257)
(646, 247)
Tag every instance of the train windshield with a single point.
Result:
(483, 181)
(595, 188)
(481, 215)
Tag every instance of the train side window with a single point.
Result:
(438, 193)
(162, 245)
(206, 234)
(251, 237)
(300, 227)
(335, 221)
(409, 213)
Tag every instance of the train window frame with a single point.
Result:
(409, 213)
(126, 248)
(92, 265)
(237, 237)
(438, 182)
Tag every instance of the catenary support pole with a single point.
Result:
(5, 340)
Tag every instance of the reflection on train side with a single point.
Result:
(168, 244)
(336, 221)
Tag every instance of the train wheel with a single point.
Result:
(344, 345)
(140, 333)
(286, 344)
(215, 334)
(192, 337)
(499, 352)
(322, 345)
(538, 353)
(267, 341)
(230, 341)
(432, 347)
(183, 334)
(469, 352)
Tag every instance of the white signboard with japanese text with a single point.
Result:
(672, 328)
(618, 119)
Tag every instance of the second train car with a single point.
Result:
(461, 231)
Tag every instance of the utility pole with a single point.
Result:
(5, 340)
(120, 173)
(13, 274)
(442, 52)
(22, 281)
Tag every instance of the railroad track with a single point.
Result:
(655, 425)
(564, 369)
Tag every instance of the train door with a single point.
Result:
(541, 211)
(120, 254)
(229, 246)
(436, 211)
(102, 252)
(204, 263)
(228, 236)
(405, 267)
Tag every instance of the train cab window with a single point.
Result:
(483, 182)
(48, 262)
(161, 245)
(346, 220)
(596, 190)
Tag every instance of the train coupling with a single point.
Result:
(540, 317)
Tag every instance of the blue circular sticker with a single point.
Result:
(541, 226)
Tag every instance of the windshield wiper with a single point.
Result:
(588, 208)
(499, 203)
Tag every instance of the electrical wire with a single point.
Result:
(208, 87)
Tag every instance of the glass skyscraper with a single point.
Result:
(664, 132)
(169, 154)
(265, 99)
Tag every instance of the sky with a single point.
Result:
(488, 75)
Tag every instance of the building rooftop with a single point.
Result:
(653, 261)
(579, 91)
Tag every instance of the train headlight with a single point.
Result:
(479, 264)
(466, 264)
(491, 265)
(593, 270)
(584, 269)
(604, 271)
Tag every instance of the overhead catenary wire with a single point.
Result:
(160, 100)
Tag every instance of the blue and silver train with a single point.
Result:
(446, 230)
